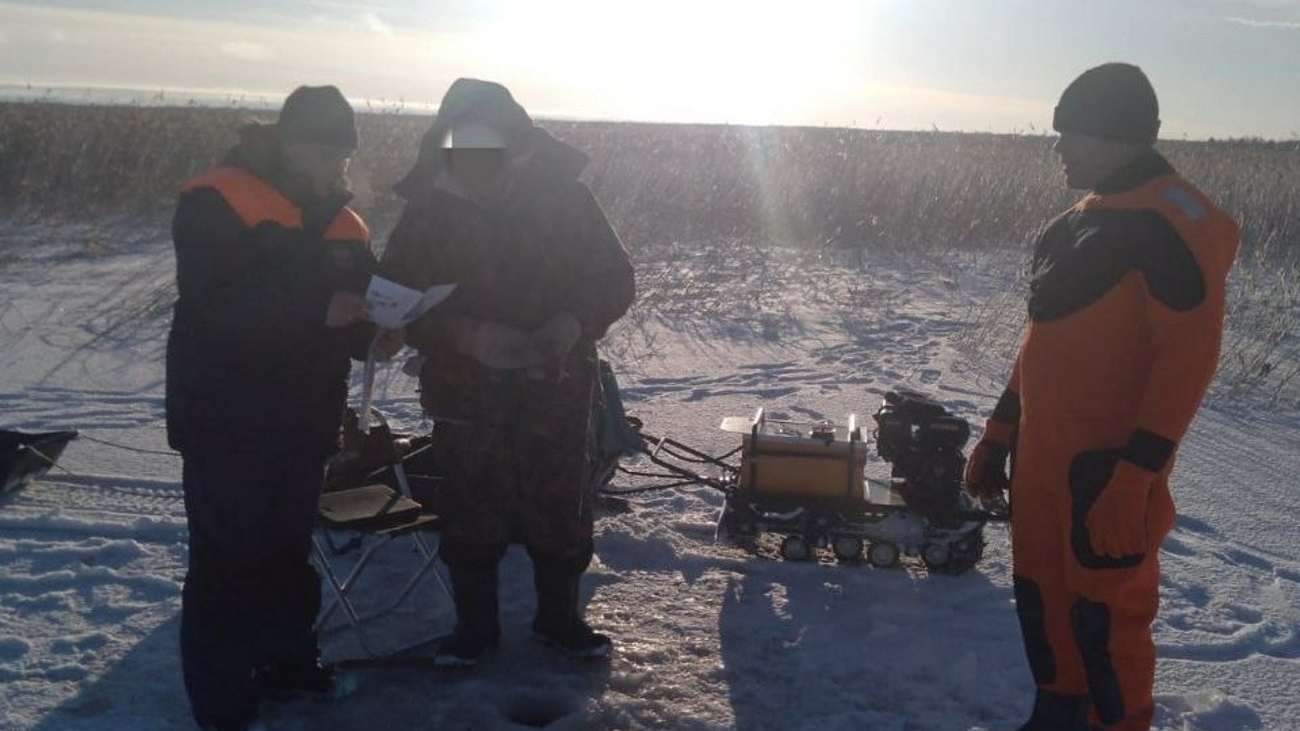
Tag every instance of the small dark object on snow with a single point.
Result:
(25, 456)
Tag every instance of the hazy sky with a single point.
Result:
(1221, 67)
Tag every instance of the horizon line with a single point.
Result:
(264, 101)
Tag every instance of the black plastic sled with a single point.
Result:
(25, 456)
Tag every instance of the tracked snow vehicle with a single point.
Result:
(807, 483)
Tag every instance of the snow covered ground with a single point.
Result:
(708, 637)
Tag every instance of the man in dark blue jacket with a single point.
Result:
(271, 270)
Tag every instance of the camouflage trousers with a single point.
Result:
(521, 480)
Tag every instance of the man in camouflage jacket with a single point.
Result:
(494, 205)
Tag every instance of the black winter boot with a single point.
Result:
(474, 590)
(248, 725)
(287, 681)
(558, 623)
(1058, 712)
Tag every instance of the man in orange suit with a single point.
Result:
(1125, 321)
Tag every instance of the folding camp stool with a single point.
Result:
(373, 515)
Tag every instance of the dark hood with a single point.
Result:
(546, 161)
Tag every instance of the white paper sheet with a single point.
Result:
(392, 305)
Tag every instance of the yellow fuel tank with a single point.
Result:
(800, 459)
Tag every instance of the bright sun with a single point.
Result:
(675, 60)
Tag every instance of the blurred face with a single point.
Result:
(1089, 161)
(480, 171)
(320, 168)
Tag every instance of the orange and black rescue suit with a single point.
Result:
(1126, 311)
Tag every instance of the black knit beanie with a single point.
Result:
(318, 114)
(1113, 101)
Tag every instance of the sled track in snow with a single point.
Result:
(75, 506)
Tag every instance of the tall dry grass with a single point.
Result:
(665, 187)
(836, 188)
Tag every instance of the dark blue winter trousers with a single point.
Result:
(251, 595)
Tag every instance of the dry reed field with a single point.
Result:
(844, 188)
(735, 193)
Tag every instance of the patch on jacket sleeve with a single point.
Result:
(1186, 202)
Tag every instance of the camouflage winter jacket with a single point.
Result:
(542, 249)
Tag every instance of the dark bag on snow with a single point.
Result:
(613, 434)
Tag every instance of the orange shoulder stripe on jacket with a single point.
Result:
(348, 226)
(253, 199)
(1172, 196)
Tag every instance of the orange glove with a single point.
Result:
(1117, 521)
(986, 470)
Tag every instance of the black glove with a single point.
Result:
(986, 470)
